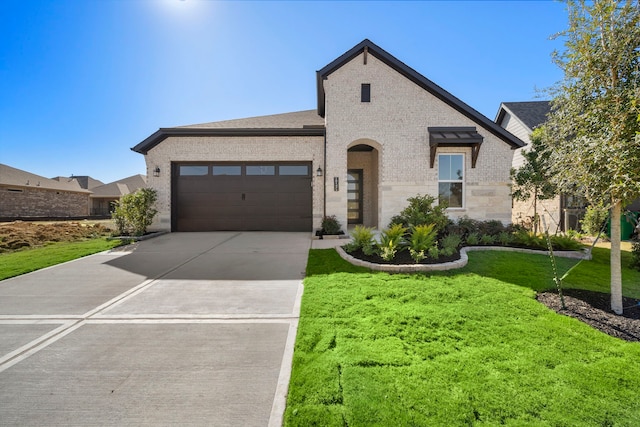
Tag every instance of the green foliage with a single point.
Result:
(423, 237)
(362, 238)
(390, 241)
(534, 178)
(473, 239)
(376, 349)
(594, 219)
(25, 261)
(451, 243)
(135, 212)
(421, 211)
(434, 252)
(505, 238)
(635, 255)
(331, 225)
(487, 239)
(529, 239)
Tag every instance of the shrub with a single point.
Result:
(594, 219)
(422, 239)
(530, 240)
(565, 243)
(473, 239)
(390, 241)
(331, 225)
(434, 252)
(487, 239)
(421, 211)
(505, 238)
(635, 255)
(134, 212)
(450, 244)
(362, 238)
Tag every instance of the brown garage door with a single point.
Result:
(241, 196)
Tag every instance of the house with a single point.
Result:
(26, 195)
(381, 133)
(104, 196)
(564, 211)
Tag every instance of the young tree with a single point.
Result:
(533, 178)
(594, 120)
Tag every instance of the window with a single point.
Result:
(186, 170)
(365, 92)
(227, 170)
(451, 179)
(261, 170)
(295, 170)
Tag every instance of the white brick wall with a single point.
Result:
(396, 120)
(181, 149)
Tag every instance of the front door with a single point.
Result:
(354, 196)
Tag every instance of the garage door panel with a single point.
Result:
(241, 202)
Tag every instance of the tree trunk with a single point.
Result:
(616, 267)
(535, 211)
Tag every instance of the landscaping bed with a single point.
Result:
(594, 309)
(19, 234)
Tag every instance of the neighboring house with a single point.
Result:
(564, 211)
(26, 195)
(104, 196)
(381, 133)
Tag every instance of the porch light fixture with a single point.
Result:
(319, 171)
(156, 171)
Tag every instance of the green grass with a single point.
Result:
(453, 349)
(24, 261)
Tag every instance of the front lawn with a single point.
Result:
(471, 347)
(24, 261)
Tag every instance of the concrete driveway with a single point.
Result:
(182, 329)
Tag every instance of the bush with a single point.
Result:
(331, 225)
(362, 238)
(421, 211)
(505, 238)
(529, 239)
(473, 239)
(390, 242)
(450, 244)
(422, 239)
(635, 255)
(594, 219)
(487, 239)
(134, 212)
(565, 243)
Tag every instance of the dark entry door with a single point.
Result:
(354, 196)
(242, 197)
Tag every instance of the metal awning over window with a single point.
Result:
(454, 137)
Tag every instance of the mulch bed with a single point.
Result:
(594, 308)
(402, 258)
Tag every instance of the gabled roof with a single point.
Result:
(418, 79)
(531, 113)
(121, 187)
(18, 178)
(300, 123)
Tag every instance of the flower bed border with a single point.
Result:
(464, 259)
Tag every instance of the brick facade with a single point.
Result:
(21, 202)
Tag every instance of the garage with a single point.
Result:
(241, 196)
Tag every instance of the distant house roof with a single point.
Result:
(411, 74)
(119, 188)
(531, 113)
(300, 123)
(18, 178)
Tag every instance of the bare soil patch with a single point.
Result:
(594, 308)
(24, 234)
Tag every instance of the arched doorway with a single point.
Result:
(362, 183)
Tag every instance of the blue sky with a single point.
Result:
(83, 81)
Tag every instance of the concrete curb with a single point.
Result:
(139, 238)
(464, 259)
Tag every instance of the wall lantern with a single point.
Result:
(319, 171)
(156, 171)
(336, 183)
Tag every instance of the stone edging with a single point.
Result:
(139, 238)
(464, 259)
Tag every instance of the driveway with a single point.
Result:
(185, 328)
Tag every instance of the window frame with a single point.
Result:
(454, 181)
(365, 92)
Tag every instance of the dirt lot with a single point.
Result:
(17, 235)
